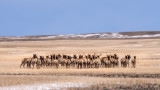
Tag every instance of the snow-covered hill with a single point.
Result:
(114, 35)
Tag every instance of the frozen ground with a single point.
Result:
(54, 86)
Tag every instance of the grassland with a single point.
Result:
(146, 72)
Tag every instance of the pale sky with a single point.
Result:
(50, 17)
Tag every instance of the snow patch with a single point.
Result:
(47, 37)
(138, 36)
(54, 86)
(85, 36)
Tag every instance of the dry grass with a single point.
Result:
(50, 71)
(26, 79)
(29, 81)
(11, 53)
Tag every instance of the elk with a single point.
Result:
(133, 61)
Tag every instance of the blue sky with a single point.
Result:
(50, 17)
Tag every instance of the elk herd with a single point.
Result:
(78, 61)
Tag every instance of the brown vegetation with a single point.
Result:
(147, 61)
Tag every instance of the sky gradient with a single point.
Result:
(51, 17)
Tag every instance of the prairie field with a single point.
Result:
(146, 75)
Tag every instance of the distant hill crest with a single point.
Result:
(94, 36)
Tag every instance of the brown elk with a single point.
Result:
(67, 61)
(124, 62)
(25, 61)
(133, 61)
(107, 62)
(80, 62)
(73, 61)
(97, 62)
(33, 60)
(85, 62)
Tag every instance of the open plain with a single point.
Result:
(146, 75)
